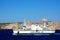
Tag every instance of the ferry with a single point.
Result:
(34, 29)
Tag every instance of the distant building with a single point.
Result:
(54, 25)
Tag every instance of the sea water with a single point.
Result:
(7, 35)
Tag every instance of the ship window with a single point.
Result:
(24, 26)
(21, 28)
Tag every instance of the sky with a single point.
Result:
(29, 10)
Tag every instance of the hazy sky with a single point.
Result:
(30, 10)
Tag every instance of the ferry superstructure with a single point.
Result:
(44, 28)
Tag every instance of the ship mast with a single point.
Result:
(24, 22)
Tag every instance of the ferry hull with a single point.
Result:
(31, 32)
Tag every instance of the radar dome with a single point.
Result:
(45, 20)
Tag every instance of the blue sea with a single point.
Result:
(7, 35)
